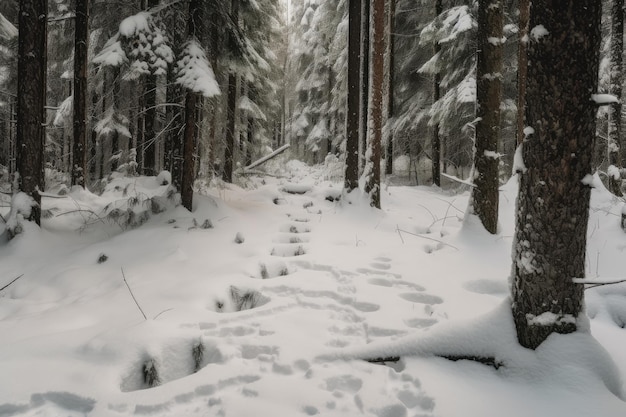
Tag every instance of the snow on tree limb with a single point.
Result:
(194, 71)
(7, 29)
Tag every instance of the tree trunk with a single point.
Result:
(31, 100)
(365, 82)
(553, 202)
(351, 180)
(436, 140)
(81, 47)
(190, 143)
(484, 199)
(372, 185)
(229, 151)
(390, 87)
(615, 88)
(522, 66)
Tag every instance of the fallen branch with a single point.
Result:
(480, 359)
(132, 295)
(11, 282)
(595, 283)
(384, 360)
(459, 180)
(267, 157)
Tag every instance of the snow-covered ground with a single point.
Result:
(272, 311)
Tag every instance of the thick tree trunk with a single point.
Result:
(229, 151)
(31, 100)
(553, 201)
(390, 87)
(615, 88)
(365, 82)
(522, 66)
(372, 185)
(484, 199)
(436, 140)
(81, 48)
(351, 178)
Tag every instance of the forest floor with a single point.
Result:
(268, 300)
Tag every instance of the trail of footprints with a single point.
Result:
(289, 246)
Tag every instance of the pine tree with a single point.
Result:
(372, 169)
(484, 198)
(553, 202)
(229, 151)
(81, 48)
(195, 74)
(522, 66)
(351, 180)
(31, 100)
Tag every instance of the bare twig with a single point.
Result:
(399, 234)
(429, 238)
(132, 295)
(164, 311)
(590, 283)
(11, 282)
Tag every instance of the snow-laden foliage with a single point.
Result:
(112, 121)
(7, 29)
(140, 42)
(318, 65)
(194, 72)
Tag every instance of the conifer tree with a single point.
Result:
(553, 202)
(31, 101)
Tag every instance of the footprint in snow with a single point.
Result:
(382, 282)
(421, 298)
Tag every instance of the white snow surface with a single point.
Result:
(286, 315)
(603, 99)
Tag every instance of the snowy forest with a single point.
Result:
(392, 208)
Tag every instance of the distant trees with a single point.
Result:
(31, 101)
(553, 202)
(81, 49)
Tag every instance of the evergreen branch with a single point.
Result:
(132, 295)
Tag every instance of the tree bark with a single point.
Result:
(351, 177)
(391, 83)
(81, 48)
(484, 199)
(522, 66)
(553, 201)
(372, 185)
(436, 140)
(365, 82)
(31, 100)
(615, 88)
(229, 151)
(190, 143)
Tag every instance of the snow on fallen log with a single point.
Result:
(267, 157)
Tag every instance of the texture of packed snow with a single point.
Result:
(267, 300)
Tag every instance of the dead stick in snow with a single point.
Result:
(429, 238)
(11, 282)
(132, 295)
